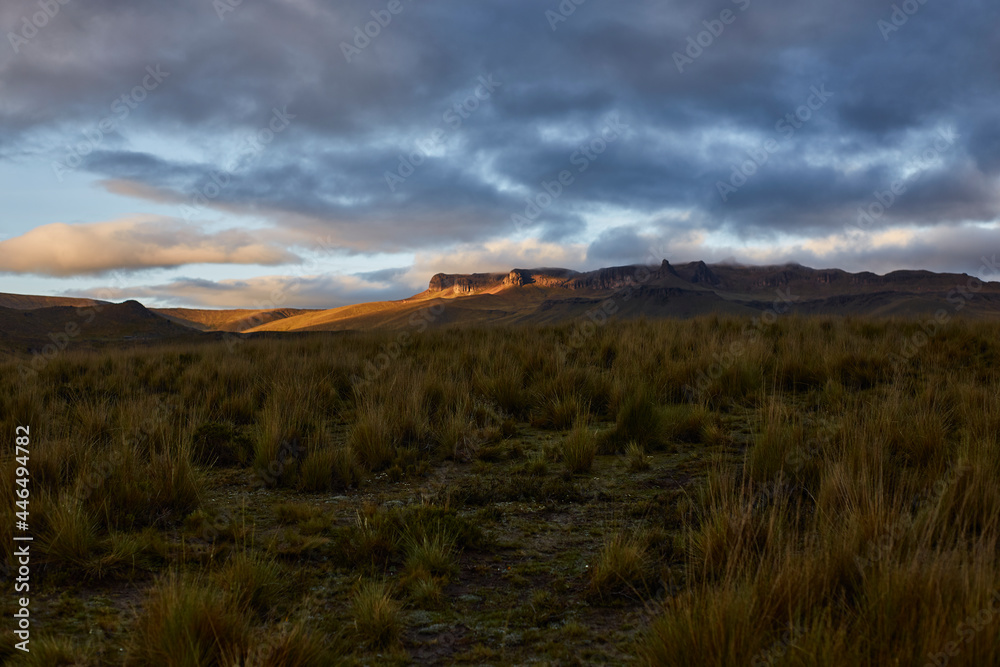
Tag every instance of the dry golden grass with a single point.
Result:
(848, 513)
(579, 448)
(376, 615)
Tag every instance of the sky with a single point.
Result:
(312, 153)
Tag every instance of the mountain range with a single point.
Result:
(534, 296)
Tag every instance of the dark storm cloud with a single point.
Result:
(616, 247)
(892, 92)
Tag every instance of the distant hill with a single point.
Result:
(549, 296)
(535, 296)
(38, 327)
(226, 320)
(27, 302)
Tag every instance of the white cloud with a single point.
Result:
(263, 292)
(499, 256)
(59, 249)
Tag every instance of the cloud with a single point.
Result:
(351, 123)
(328, 290)
(956, 250)
(260, 293)
(142, 191)
(882, 251)
(131, 244)
(498, 256)
(618, 246)
(382, 275)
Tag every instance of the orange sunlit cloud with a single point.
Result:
(59, 249)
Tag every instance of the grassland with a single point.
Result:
(811, 492)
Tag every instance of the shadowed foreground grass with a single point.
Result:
(813, 492)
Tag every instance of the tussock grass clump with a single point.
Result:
(801, 373)
(373, 538)
(544, 608)
(579, 449)
(296, 512)
(430, 563)
(639, 420)
(635, 457)
(293, 644)
(434, 520)
(173, 488)
(127, 488)
(685, 423)
(372, 440)
(377, 621)
(433, 554)
(425, 591)
(622, 567)
(70, 533)
(334, 467)
(683, 634)
(219, 444)
(426, 537)
(774, 447)
(503, 384)
(92, 419)
(858, 371)
(56, 464)
(186, 622)
(49, 651)
(457, 437)
(122, 553)
(253, 583)
(558, 413)
(72, 544)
